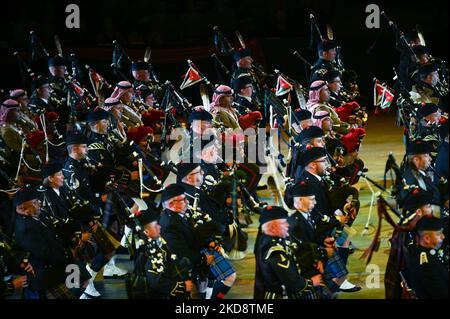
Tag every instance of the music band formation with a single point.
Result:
(87, 172)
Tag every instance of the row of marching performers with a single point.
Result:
(105, 169)
(419, 259)
(89, 194)
(85, 203)
(418, 265)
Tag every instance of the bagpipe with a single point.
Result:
(154, 251)
(83, 212)
(231, 192)
(68, 229)
(144, 164)
(172, 103)
(402, 43)
(403, 223)
(225, 48)
(300, 91)
(118, 57)
(441, 87)
(15, 258)
(406, 114)
(208, 231)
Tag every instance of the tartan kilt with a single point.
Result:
(395, 264)
(220, 268)
(87, 252)
(59, 292)
(335, 266)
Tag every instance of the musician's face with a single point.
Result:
(56, 180)
(247, 90)
(305, 204)
(245, 62)
(44, 91)
(210, 154)
(320, 166)
(195, 178)
(150, 100)
(201, 127)
(432, 239)
(143, 144)
(30, 208)
(306, 123)
(80, 151)
(324, 95)
(318, 142)
(422, 161)
(13, 116)
(58, 71)
(127, 97)
(226, 100)
(335, 85)
(280, 228)
(23, 101)
(153, 230)
(117, 111)
(178, 204)
(414, 42)
(329, 55)
(141, 75)
(424, 59)
(102, 126)
(432, 78)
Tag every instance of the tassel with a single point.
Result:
(375, 245)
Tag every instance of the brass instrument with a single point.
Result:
(130, 117)
(26, 124)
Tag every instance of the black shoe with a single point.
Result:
(354, 289)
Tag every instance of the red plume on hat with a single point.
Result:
(152, 117)
(352, 139)
(250, 119)
(137, 134)
(346, 110)
(50, 117)
(35, 138)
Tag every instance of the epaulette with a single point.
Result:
(430, 138)
(277, 247)
(243, 74)
(179, 289)
(96, 146)
(322, 72)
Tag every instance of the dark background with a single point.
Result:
(178, 30)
